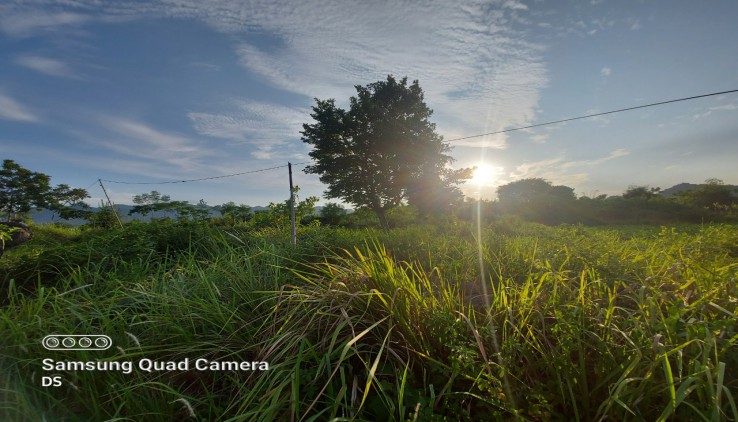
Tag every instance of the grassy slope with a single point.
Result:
(569, 323)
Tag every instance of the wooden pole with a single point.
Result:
(292, 206)
(110, 203)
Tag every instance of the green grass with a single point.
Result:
(564, 323)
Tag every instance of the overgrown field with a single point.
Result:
(514, 321)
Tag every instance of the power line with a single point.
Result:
(202, 178)
(193, 180)
(594, 115)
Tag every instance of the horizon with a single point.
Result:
(154, 92)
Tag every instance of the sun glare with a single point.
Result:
(485, 175)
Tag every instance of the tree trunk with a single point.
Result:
(382, 214)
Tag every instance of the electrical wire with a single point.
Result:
(595, 115)
(192, 180)
(200, 179)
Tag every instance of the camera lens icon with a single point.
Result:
(51, 342)
(102, 342)
(76, 342)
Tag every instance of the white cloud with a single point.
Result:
(262, 125)
(167, 151)
(559, 171)
(475, 67)
(710, 110)
(605, 72)
(11, 109)
(26, 22)
(539, 139)
(46, 65)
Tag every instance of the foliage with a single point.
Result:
(152, 202)
(21, 189)
(235, 213)
(68, 202)
(105, 218)
(187, 212)
(567, 323)
(383, 150)
(712, 194)
(420, 323)
(332, 214)
(640, 192)
(537, 200)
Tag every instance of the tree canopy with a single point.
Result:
(383, 150)
(22, 190)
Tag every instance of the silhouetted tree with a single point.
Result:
(382, 150)
(538, 200)
(332, 214)
(712, 194)
(640, 192)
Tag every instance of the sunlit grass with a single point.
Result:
(567, 323)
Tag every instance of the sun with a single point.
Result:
(485, 175)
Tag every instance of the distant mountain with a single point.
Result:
(686, 187)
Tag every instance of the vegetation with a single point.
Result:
(424, 322)
(22, 190)
(383, 150)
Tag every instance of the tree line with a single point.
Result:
(383, 157)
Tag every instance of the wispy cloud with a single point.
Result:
(559, 170)
(11, 109)
(605, 72)
(47, 66)
(21, 21)
(470, 58)
(262, 125)
(710, 110)
(168, 152)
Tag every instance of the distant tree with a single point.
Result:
(104, 218)
(712, 194)
(151, 203)
(402, 216)
(22, 190)
(236, 213)
(640, 192)
(69, 203)
(532, 191)
(279, 213)
(538, 200)
(332, 214)
(383, 150)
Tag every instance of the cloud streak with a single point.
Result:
(11, 109)
(262, 125)
(559, 170)
(470, 57)
(46, 66)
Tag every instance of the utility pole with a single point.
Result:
(110, 204)
(292, 206)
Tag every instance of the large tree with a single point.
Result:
(383, 150)
(22, 189)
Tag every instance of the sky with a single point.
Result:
(165, 90)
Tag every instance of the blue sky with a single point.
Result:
(145, 91)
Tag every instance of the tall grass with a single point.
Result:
(566, 323)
